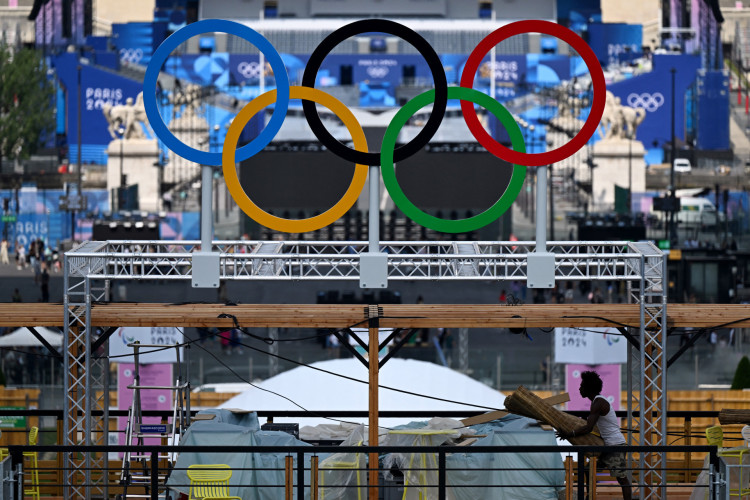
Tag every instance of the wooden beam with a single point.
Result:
(494, 415)
(394, 315)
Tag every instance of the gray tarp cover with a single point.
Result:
(230, 429)
(537, 475)
(524, 475)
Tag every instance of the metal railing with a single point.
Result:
(294, 472)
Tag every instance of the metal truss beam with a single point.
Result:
(334, 260)
(93, 264)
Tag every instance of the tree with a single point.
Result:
(26, 106)
(742, 375)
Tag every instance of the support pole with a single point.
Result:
(373, 224)
(673, 151)
(541, 209)
(373, 417)
(540, 264)
(373, 264)
(206, 271)
(206, 208)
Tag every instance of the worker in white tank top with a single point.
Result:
(603, 416)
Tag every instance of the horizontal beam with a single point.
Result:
(394, 315)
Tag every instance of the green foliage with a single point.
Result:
(742, 375)
(26, 106)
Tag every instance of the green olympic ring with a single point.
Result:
(412, 211)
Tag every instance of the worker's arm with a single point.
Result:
(598, 407)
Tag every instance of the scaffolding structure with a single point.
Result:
(90, 266)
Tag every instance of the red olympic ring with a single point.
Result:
(597, 106)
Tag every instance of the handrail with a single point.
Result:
(357, 449)
(347, 413)
(301, 452)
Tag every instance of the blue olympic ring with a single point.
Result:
(212, 26)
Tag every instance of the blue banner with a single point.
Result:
(136, 42)
(99, 89)
(653, 92)
(615, 43)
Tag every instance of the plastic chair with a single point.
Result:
(715, 437)
(336, 463)
(32, 489)
(210, 482)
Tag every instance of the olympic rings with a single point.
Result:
(389, 153)
(649, 102)
(411, 210)
(171, 43)
(597, 106)
(263, 217)
(406, 34)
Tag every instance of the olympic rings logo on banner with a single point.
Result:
(378, 71)
(649, 102)
(131, 55)
(249, 69)
(360, 154)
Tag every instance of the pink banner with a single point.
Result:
(159, 374)
(610, 375)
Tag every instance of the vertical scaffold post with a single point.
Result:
(653, 314)
(75, 391)
(83, 377)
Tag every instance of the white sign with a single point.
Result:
(119, 351)
(590, 346)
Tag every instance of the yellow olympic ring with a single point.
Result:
(254, 211)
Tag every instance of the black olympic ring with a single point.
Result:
(408, 35)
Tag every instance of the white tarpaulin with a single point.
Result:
(24, 337)
(319, 391)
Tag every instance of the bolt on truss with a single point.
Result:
(93, 264)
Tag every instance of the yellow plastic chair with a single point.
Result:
(210, 482)
(32, 489)
(715, 437)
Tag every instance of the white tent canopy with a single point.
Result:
(24, 337)
(318, 391)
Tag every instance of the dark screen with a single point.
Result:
(308, 178)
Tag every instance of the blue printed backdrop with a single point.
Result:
(652, 91)
(99, 88)
(180, 226)
(136, 42)
(712, 88)
(377, 75)
(615, 43)
(40, 217)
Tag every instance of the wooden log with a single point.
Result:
(734, 416)
(526, 403)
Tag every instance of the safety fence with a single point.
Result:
(319, 472)
(684, 465)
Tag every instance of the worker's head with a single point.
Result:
(591, 384)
